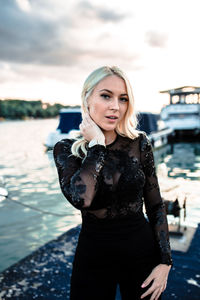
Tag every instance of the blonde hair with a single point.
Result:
(127, 126)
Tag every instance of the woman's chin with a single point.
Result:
(108, 127)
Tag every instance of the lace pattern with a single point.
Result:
(114, 182)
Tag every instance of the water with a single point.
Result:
(31, 178)
(179, 175)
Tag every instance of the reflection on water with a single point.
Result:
(184, 161)
(31, 178)
(179, 174)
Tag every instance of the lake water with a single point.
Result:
(30, 176)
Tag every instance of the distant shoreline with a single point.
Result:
(25, 110)
(27, 119)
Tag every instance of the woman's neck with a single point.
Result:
(110, 137)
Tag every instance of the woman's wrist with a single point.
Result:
(169, 266)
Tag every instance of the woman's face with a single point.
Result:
(109, 98)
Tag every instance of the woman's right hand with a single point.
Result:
(90, 130)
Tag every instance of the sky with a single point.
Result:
(48, 47)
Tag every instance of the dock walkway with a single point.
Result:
(45, 274)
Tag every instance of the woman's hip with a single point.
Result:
(115, 244)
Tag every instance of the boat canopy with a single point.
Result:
(184, 95)
(69, 120)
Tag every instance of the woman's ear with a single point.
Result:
(88, 108)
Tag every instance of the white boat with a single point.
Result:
(183, 112)
(69, 120)
(160, 138)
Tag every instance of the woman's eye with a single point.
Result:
(124, 99)
(105, 96)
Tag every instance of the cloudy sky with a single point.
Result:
(48, 47)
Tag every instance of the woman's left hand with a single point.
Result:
(159, 275)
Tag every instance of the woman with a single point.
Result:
(108, 172)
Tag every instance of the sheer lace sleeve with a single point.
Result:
(78, 178)
(154, 204)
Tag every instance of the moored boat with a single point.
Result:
(69, 120)
(182, 114)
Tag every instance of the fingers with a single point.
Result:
(87, 120)
(156, 294)
(159, 276)
(155, 290)
(89, 129)
(148, 292)
(164, 286)
(147, 281)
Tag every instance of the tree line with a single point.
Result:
(22, 109)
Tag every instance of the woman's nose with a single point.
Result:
(114, 104)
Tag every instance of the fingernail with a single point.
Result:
(143, 285)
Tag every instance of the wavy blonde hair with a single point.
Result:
(126, 127)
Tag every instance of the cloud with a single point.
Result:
(24, 5)
(156, 39)
(29, 38)
(36, 36)
(101, 13)
(46, 44)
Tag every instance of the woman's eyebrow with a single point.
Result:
(111, 92)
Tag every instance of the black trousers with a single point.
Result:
(111, 252)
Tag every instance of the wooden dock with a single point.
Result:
(45, 274)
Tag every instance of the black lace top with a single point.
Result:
(114, 182)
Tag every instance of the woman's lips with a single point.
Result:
(111, 120)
